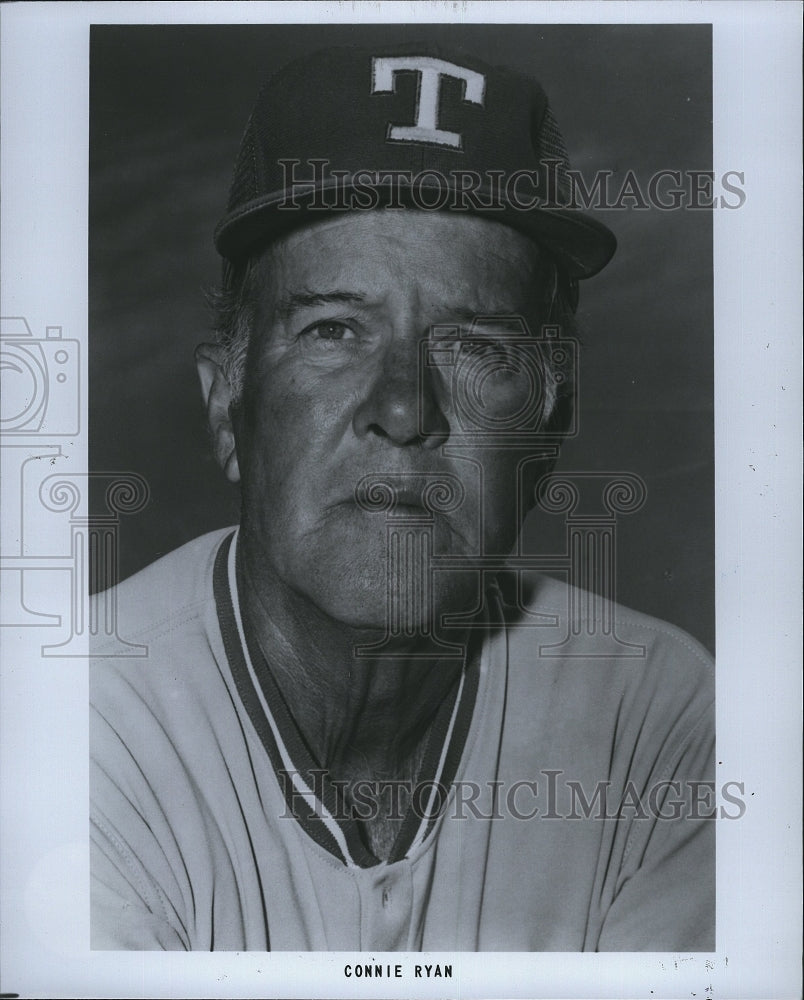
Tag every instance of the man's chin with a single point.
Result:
(361, 575)
(405, 612)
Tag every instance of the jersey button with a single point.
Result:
(386, 897)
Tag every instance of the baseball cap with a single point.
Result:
(414, 126)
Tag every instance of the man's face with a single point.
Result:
(333, 394)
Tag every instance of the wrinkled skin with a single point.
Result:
(332, 394)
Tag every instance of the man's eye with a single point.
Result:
(331, 330)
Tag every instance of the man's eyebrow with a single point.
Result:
(466, 314)
(293, 301)
(463, 313)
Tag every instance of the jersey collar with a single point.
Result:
(311, 798)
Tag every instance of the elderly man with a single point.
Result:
(353, 728)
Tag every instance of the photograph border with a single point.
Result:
(43, 756)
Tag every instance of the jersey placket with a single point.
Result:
(386, 907)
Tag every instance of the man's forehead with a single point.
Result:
(365, 259)
(448, 241)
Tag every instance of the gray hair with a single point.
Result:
(233, 305)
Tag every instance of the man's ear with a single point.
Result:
(217, 395)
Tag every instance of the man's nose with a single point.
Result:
(402, 402)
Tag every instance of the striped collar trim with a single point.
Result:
(312, 799)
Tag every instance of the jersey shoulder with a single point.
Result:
(156, 600)
(572, 636)
(166, 649)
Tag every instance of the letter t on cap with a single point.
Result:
(430, 71)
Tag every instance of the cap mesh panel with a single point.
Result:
(244, 183)
(552, 147)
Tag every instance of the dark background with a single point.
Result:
(167, 108)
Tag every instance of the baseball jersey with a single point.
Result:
(559, 805)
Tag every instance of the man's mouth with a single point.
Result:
(404, 493)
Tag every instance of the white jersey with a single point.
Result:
(543, 816)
